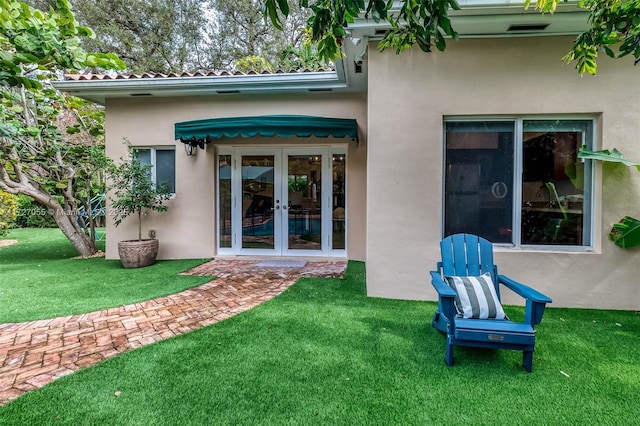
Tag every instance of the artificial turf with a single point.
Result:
(39, 278)
(324, 353)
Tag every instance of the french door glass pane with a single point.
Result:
(257, 202)
(479, 179)
(224, 189)
(553, 181)
(338, 207)
(304, 188)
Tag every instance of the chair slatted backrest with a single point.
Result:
(468, 255)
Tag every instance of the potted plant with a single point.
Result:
(133, 192)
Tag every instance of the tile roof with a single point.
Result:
(147, 75)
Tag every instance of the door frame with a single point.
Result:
(280, 154)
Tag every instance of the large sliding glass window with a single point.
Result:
(479, 179)
(518, 181)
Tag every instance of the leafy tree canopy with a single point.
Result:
(51, 145)
(425, 23)
(188, 35)
(614, 25)
(33, 41)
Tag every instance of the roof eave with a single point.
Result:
(99, 90)
(493, 18)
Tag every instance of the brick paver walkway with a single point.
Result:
(35, 353)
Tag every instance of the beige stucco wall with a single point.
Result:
(408, 97)
(187, 229)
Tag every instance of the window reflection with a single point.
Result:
(224, 196)
(479, 179)
(339, 201)
(553, 183)
(479, 182)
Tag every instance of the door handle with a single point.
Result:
(284, 207)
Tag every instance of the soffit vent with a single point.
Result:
(528, 27)
(140, 94)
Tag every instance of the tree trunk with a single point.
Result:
(71, 229)
(65, 219)
(67, 222)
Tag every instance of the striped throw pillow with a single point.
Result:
(476, 297)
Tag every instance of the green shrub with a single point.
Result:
(33, 215)
(8, 211)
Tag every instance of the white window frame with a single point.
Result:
(589, 190)
(153, 150)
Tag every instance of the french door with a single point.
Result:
(281, 201)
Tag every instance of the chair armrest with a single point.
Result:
(446, 296)
(443, 289)
(523, 290)
(535, 301)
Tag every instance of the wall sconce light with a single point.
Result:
(190, 149)
(191, 145)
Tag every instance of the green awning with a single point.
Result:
(199, 132)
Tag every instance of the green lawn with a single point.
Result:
(324, 353)
(40, 279)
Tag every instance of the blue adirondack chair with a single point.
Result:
(466, 255)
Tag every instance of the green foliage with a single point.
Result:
(51, 144)
(253, 63)
(614, 156)
(614, 25)
(626, 233)
(134, 191)
(152, 36)
(239, 30)
(34, 40)
(185, 35)
(8, 211)
(614, 28)
(32, 215)
(425, 23)
(291, 58)
(304, 57)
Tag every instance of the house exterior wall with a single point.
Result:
(409, 95)
(188, 228)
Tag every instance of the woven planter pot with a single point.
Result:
(138, 253)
